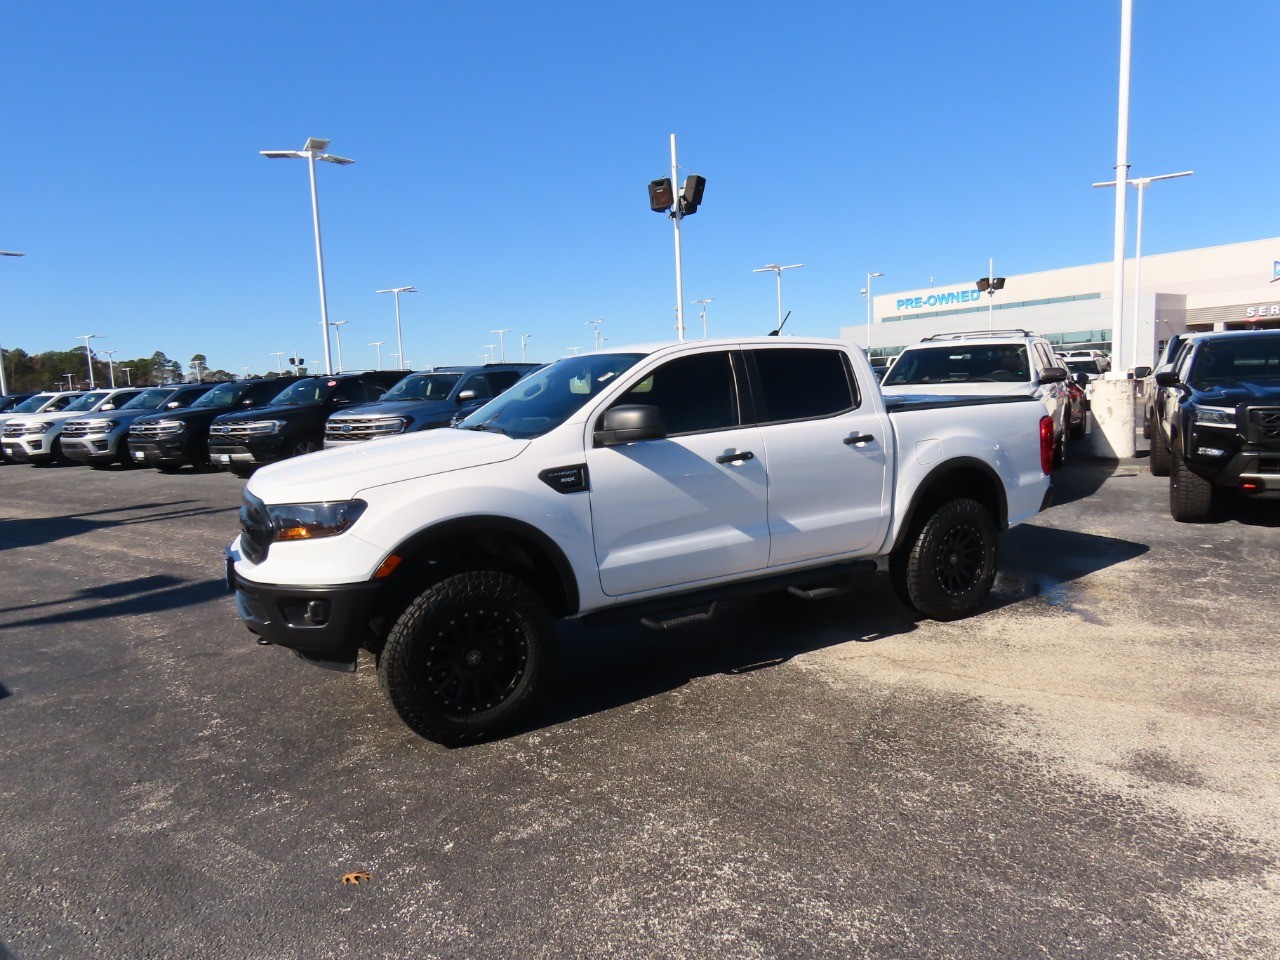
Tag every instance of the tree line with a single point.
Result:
(67, 370)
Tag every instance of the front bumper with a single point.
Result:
(327, 624)
(32, 449)
(90, 448)
(1253, 470)
(157, 452)
(223, 454)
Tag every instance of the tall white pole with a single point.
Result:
(524, 338)
(324, 302)
(399, 334)
(676, 216)
(1122, 174)
(279, 362)
(778, 274)
(337, 332)
(1137, 274)
(991, 293)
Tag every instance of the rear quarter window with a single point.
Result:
(802, 384)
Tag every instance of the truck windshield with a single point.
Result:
(423, 386)
(86, 401)
(149, 399)
(1252, 360)
(546, 399)
(222, 396)
(961, 363)
(32, 404)
(307, 393)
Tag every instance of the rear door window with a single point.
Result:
(802, 384)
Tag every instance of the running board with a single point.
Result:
(680, 618)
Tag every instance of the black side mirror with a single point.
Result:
(1054, 375)
(1167, 378)
(1141, 373)
(1082, 378)
(629, 424)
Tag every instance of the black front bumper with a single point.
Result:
(325, 624)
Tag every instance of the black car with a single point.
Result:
(293, 423)
(168, 440)
(1153, 393)
(424, 401)
(1218, 425)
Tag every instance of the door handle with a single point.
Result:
(860, 438)
(735, 457)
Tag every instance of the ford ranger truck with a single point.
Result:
(644, 483)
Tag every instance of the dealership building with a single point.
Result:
(1231, 287)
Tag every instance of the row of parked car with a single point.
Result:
(242, 424)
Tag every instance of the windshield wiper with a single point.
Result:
(488, 425)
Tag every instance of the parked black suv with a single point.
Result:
(168, 440)
(101, 439)
(293, 423)
(423, 401)
(1218, 426)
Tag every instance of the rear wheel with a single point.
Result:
(946, 569)
(1060, 451)
(1190, 495)
(304, 446)
(1158, 461)
(467, 657)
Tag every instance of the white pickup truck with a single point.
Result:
(643, 483)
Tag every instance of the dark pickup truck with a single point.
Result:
(1217, 427)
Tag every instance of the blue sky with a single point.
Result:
(503, 151)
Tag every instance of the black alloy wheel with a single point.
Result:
(945, 569)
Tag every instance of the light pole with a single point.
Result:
(338, 333)
(279, 363)
(502, 345)
(196, 365)
(1141, 183)
(989, 285)
(245, 368)
(88, 354)
(128, 376)
(702, 313)
(595, 325)
(4, 386)
(378, 344)
(866, 292)
(777, 270)
(111, 367)
(524, 338)
(489, 347)
(399, 339)
(312, 151)
(574, 349)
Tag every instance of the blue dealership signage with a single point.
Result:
(940, 299)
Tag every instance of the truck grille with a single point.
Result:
(362, 428)
(75, 429)
(255, 528)
(236, 431)
(1264, 425)
(154, 431)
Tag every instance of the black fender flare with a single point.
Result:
(936, 478)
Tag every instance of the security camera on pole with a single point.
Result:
(662, 199)
(989, 285)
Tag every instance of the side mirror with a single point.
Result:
(1166, 378)
(466, 395)
(1141, 373)
(1054, 375)
(629, 424)
(1082, 378)
(173, 405)
(341, 401)
(248, 403)
(107, 406)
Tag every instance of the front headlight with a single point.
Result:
(169, 427)
(1215, 416)
(313, 521)
(258, 427)
(97, 426)
(36, 427)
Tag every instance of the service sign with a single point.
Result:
(1262, 310)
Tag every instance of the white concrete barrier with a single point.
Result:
(1114, 406)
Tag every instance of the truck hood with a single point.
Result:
(412, 409)
(341, 473)
(1233, 394)
(961, 389)
(118, 416)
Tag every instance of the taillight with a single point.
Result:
(1046, 444)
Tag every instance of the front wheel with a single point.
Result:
(468, 656)
(1190, 495)
(946, 569)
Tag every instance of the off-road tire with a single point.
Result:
(944, 571)
(1190, 495)
(1158, 459)
(468, 657)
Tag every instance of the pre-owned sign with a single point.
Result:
(939, 299)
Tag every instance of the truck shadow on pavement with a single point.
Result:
(128, 598)
(30, 532)
(603, 669)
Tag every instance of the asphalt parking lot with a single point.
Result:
(1088, 768)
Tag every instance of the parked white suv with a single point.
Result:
(987, 363)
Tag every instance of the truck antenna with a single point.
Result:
(774, 333)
